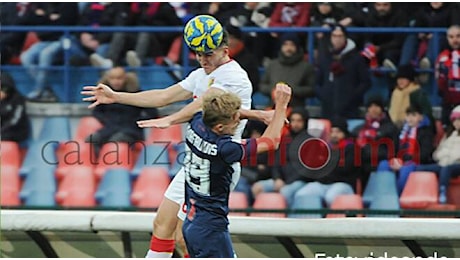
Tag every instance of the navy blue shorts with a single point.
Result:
(204, 243)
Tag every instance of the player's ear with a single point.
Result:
(219, 127)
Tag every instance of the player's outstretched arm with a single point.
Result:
(271, 137)
(181, 116)
(103, 94)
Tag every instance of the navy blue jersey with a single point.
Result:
(208, 173)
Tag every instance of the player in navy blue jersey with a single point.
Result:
(211, 151)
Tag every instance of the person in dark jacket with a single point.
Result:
(15, 121)
(375, 138)
(291, 68)
(119, 121)
(342, 179)
(415, 146)
(342, 77)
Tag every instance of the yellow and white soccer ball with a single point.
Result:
(203, 33)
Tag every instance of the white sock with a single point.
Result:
(153, 254)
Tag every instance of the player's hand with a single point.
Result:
(282, 94)
(100, 94)
(162, 123)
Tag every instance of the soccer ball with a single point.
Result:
(203, 33)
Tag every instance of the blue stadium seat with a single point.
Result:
(379, 184)
(40, 198)
(56, 128)
(353, 123)
(39, 154)
(151, 155)
(385, 202)
(179, 161)
(303, 202)
(114, 189)
(41, 180)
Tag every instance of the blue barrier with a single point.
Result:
(69, 95)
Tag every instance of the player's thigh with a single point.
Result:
(176, 189)
(166, 220)
(204, 243)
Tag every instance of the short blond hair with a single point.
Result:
(220, 108)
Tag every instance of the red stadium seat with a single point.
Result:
(453, 192)
(10, 154)
(269, 200)
(421, 191)
(114, 155)
(237, 200)
(168, 136)
(77, 188)
(10, 185)
(86, 126)
(150, 187)
(74, 154)
(352, 201)
(175, 50)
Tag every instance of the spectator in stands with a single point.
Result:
(43, 53)
(419, 49)
(238, 51)
(415, 146)
(341, 180)
(406, 93)
(384, 48)
(93, 15)
(256, 14)
(250, 173)
(290, 14)
(143, 45)
(286, 178)
(220, 10)
(15, 121)
(11, 43)
(324, 14)
(376, 137)
(342, 76)
(291, 68)
(447, 73)
(119, 121)
(446, 156)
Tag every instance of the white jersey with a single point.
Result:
(229, 77)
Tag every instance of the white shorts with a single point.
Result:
(176, 189)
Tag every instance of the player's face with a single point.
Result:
(230, 127)
(211, 60)
(453, 37)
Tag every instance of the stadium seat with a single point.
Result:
(114, 155)
(385, 202)
(175, 50)
(75, 154)
(453, 192)
(77, 188)
(31, 39)
(10, 154)
(172, 134)
(40, 179)
(39, 154)
(420, 191)
(320, 128)
(40, 198)
(346, 202)
(353, 123)
(150, 187)
(303, 202)
(55, 128)
(151, 155)
(237, 200)
(115, 188)
(269, 200)
(379, 184)
(10, 185)
(86, 126)
(178, 161)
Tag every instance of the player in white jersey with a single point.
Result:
(217, 70)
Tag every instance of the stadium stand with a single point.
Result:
(237, 200)
(114, 189)
(421, 191)
(385, 202)
(77, 188)
(86, 126)
(346, 202)
(10, 154)
(151, 155)
(149, 187)
(114, 155)
(269, 200)
(310, 203)
(379, 184)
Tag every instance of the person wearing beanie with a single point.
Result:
(415, 146)
(407, 93)
(446, 156)
(376, 129)
(238, 51)
(342, 76)
(291, 68)
(16, 125)
(343, 177)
